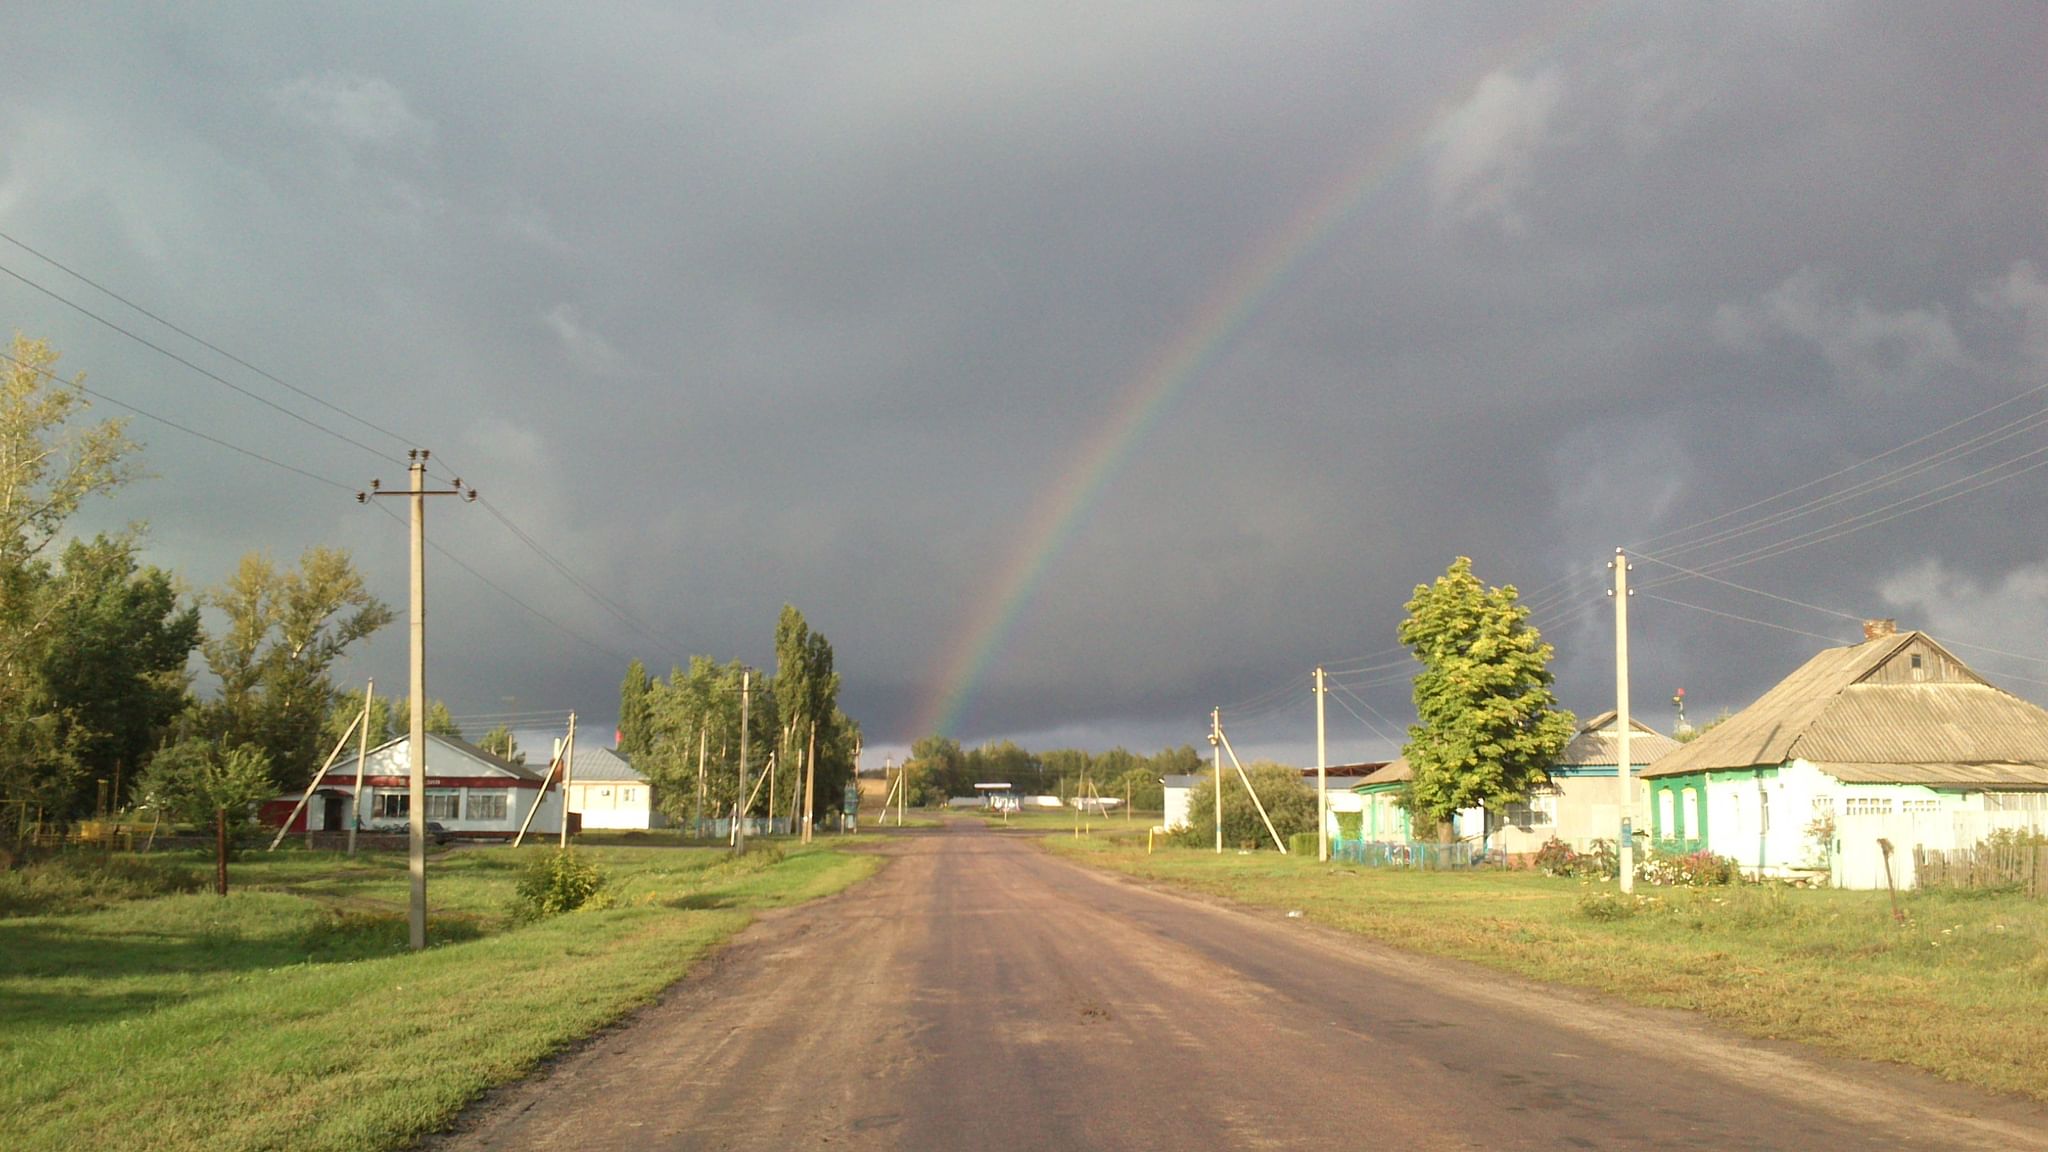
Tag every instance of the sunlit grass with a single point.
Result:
(289, 1014)
(1960, 988)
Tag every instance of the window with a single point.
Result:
(444, 805)
(1691, 806)
(1667, 823)
(1535, 812)
(486, 805)
(1921, 807)
(391, 805)
(1869, 806)
(2016, 801)
(1919, 672)
(627, 795)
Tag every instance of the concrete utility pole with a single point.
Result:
(568, 774)
(416, 742)
(1627, 848)
(1216, 755)
(739, 823)
(1322, 775)
(701, 734)
(810, 782)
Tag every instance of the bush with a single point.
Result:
(1700, 869)
(560, 882)
(1289, 801)
(1302, 844)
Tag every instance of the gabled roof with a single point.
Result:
(446, 756)
(1848, 714)
(1397, 771)
(1599, 742)
(594, 763)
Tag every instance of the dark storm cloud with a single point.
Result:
(731, 306)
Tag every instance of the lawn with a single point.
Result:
(1960, 988)
(289, 1014)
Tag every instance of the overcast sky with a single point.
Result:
(732, 305)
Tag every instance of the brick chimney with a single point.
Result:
(1879, 629)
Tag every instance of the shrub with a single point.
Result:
(1691, 869)
(1302, 844)
(1557, 858)
(560, 882)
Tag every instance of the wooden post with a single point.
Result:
(568, 775)
(220, 851)
(317, 778)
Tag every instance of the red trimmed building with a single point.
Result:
(470, 793)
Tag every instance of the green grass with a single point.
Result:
(1960, 989)
(290, 1015)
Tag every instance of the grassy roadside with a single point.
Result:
(1960, 989)
(288, 1014)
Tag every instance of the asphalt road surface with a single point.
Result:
(981, 994)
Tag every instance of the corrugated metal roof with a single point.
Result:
(1891, 732)
(392, 758)
(1396, 771)
(2022, 776)
(1599, 742)
(594, 763)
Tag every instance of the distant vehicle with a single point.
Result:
(436, 831)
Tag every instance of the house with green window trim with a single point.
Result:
(1894, 737)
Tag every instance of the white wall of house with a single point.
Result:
(615, 804)
(469, 809)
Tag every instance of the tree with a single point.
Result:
(703, 703)
(440, 722)
(284, 631)
(806, 690)
(634, 714)
(1488, 724)
(499, 742)
(207, 782)
(117, 677)
(1289, 803)
(51, 464)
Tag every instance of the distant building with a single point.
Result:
(606, 791)
(469, 792)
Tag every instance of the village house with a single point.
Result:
(1893, 739)
(1580, 804)
(606, 791)
(469, 792)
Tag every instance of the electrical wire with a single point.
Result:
(198, 339)
(1832, 640)
(208, 373)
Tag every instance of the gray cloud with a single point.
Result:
(732, 306)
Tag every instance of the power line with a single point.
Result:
(170, 423)
(1741, 587)
(208, 373)
(198, 339)
(1833, 641)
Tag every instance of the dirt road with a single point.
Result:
(980, 994)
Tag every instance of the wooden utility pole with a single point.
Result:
(739, 834)
(416, 742)
(1322, 774)
(355, 808)
(1627, 848)
(568, 774)
(1216, 754)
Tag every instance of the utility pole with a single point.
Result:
(810, 781)
(1322, 775)
(355, 810)
(416, 742)
(1627, 848)
(739, 823)
(568, 774)
(1216, 754)
(700, 780)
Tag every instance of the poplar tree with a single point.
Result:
(1488, 726)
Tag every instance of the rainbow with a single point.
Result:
(1227, 310)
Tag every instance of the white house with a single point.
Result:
(1892, 740)
(470, 793)
(606, 791)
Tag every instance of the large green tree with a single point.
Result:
(52, 462)
(117, 678)
(1488, 726)
(284, 630)
(635, 716)
(699, 708)
(807, 701)
(208, 783)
